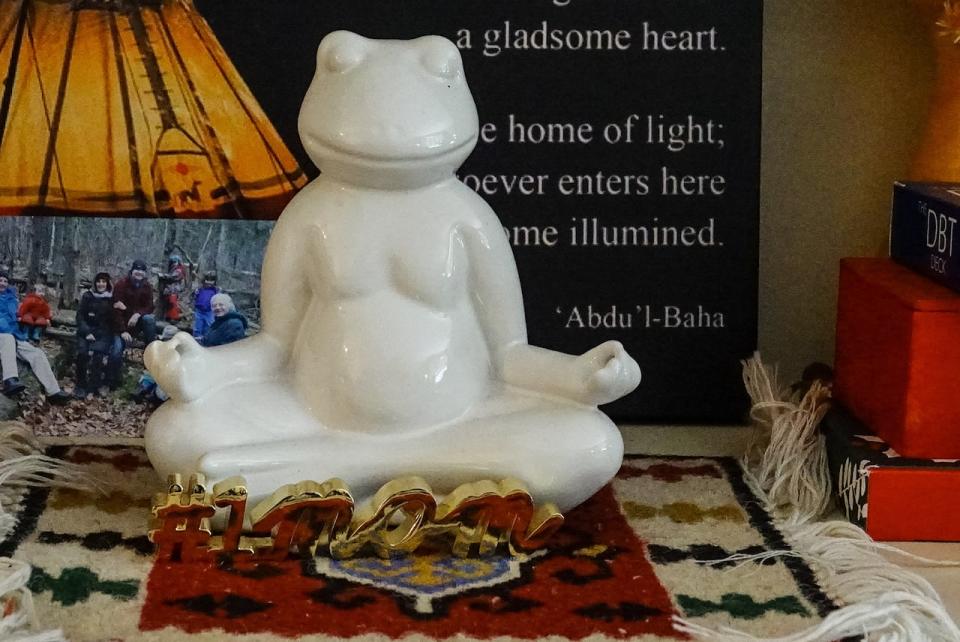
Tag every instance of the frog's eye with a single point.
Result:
(341, 51)
(440, 57)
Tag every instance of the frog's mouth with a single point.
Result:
(430, 148)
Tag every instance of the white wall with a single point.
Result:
(845, 94)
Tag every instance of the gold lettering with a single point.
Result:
(407, 498)
(182, 520)
(304, 518)
(489, 514)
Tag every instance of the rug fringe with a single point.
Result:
(851, 621)
(790, 461)
(787, 469)
(17, 613)
(23, 464)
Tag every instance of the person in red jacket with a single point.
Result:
(171, 285)
(34, 313)
(133, 303)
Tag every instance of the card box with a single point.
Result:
(923, 230)
(893, 498)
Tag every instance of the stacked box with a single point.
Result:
(893, 441)
(898, 356)
(894, 498)
(923, 230)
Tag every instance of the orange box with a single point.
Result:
(897, 363)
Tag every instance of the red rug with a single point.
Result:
(623, 565)
(595, 578)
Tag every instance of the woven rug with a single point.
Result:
(624, 564)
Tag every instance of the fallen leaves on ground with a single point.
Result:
(95, 416)
(112, 415)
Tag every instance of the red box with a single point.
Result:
(898, 356)
(913, 504)
(893, 498)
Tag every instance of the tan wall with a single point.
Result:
(845, 92)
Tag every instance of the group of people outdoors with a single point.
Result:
(110, 317)
(15, 345)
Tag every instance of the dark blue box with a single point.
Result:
(924, 234)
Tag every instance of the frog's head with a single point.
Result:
(388, 113)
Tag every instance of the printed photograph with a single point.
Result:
(139, 178)
(131, 108)
(81, 297)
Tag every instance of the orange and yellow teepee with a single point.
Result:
(131, 107)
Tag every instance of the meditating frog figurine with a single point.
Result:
(393, 339)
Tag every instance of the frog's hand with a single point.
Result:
(598, 376)
(612, 373)
(178, 366)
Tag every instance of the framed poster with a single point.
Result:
(619, 146)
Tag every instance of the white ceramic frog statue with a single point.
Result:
(393, 339)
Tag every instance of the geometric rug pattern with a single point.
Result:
(644, 549)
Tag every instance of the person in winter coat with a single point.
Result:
(171, 285)
(34, 313)
(228, 324)
(13, 346)
(147, 389)
(99, 350)
(133, 304)
(202, 310)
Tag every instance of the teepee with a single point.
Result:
(131, 107)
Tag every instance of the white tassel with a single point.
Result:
(792, 469)
(884, 603)
(23, 464)
(879, 620)
(16, 601)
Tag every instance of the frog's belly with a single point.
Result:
(384, 361)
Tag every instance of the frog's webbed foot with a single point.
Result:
(241, 424)
(252, 459)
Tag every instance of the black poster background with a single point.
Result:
(690, 374)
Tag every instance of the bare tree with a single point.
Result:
(75, 249)
(40, 226)
(71, 255)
